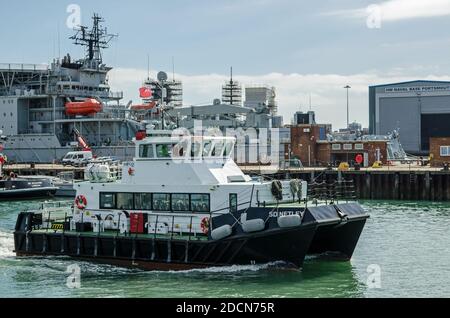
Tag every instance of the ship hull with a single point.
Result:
(322, 230)
(284, 245)
(26, 189)
(337, 240)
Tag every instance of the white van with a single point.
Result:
(77, 158)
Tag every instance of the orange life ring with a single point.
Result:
(81, 202)
(204, 224)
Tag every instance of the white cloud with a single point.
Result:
(327, 92)
(395, 10)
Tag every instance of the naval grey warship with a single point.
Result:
(41, 106)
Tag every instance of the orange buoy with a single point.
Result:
(89, 106)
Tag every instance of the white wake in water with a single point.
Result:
(6, 244)
(238, 268)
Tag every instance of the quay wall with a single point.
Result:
(413, 185)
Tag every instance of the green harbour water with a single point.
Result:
(408, 241)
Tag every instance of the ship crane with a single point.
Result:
(82, 143)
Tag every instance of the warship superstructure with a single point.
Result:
(41, 106)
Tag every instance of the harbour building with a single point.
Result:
(419, 109)
(261, 96)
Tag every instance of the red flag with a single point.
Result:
(145, 92)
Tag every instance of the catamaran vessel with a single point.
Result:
(183, 203)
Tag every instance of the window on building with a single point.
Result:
(143, 201)
(445, 151)
(107, 201)
(359, 147)
(336, 146)
(233, 202)
(348, 147)
(125, 201)
(146, 151)
(180, 202)
(161, 202)
(200, 202)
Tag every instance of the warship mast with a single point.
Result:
(95, 39)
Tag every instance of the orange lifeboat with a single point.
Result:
(89, 106)
(143, 106)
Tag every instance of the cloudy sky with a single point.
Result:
(300, 47)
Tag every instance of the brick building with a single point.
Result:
(336, 152)
(304, 140)
(439, 151)
(310, 145)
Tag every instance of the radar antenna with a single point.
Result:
(94, 39)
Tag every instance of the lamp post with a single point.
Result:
(348, 120)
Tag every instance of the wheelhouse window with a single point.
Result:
(143, 201)
(180, 202)
(200, 203)
(181, 149)
(207, 147)
(163, 151)
(233, 202)
(176, 202)
(146, 151)
(196, 149)
(228, 148)
(217, 149)
(125, 201)
(161, 202)
(107, 200)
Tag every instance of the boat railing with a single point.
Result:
(85, 92)
(52, 216)
(67, 176)
(340, 190)
(56, 216)
(93, 172)
(23, 67)
(173, 230)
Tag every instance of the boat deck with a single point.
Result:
(113, 233)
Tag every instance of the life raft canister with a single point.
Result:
(204, 224)
(81, 202)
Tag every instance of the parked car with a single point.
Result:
(77, 158)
